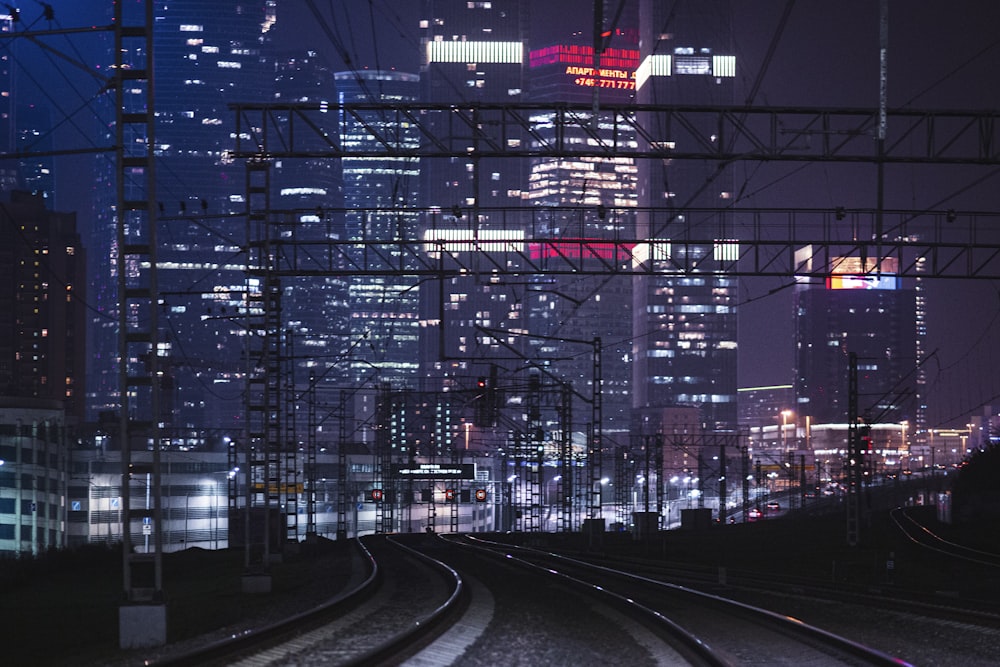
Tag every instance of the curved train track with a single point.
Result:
(433, 600)
(405, 599)
(923, 537)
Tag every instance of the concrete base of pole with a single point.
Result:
(142, 625)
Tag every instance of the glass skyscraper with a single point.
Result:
(209, 56)
(584, 198)
(380, 201)
(685, 326)
(872, 316)
(473, 52)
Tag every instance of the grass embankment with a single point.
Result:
(62, 608)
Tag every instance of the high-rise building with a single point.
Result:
(473, 52)
(24, 128)
(381, 197)
(685, 327)
(306, 202)
(209, 56)
(583, 198)
(42, 322)
(34, 134)
(871, 316)
(8, 169)
(380, 202)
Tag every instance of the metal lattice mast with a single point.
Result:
(596, 457)
(263, 395)
(565, 486)
(311, 450)
(136, 265)
(534, 454)
(291, 482)
(854, 456)
(142, 616)
(342, 482)
(380, 458)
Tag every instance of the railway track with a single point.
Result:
(458, 600)
(923, 537)
(403, 603)
(705, 629)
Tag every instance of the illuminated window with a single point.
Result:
(692, 65)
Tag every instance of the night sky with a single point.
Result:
(941, 56)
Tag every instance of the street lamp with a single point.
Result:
(785, 414)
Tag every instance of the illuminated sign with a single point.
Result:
(606, 78)
(862, 282)
(617, 69)
(867, 273)
(474, 52)
(577, 54)
(855, 266)
(435, 470)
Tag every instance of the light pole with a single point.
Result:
(785, 414)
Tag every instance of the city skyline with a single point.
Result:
(761, 362)
(828, 56)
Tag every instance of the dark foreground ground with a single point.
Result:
(63, 609)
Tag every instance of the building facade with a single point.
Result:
(34, 475)
(872, 317)
(583, 198)
(685, 326)
(42, 313)
(471, 53)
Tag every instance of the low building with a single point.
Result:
(33, 475)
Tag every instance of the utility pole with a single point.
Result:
(854, 456)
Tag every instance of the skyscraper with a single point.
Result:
(42, 331)
(584, 198)
(380, 200)
(8, 170)
(306, 201)
(685, 325)
(473, 52)
(381, 196)
(209, 56)
(868, 315)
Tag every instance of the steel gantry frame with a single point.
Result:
(945, 244)
(512, 130)
(791, 243)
